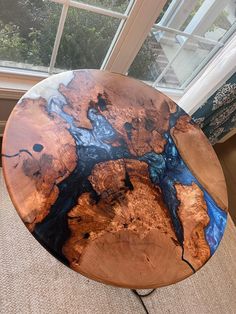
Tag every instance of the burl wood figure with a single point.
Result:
(114, 179)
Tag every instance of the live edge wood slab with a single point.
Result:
(114, 179)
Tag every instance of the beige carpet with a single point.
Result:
(32, 281)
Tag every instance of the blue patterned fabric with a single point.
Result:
(217, 116)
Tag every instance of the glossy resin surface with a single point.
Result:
(114, 179)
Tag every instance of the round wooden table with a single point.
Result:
(114, 179)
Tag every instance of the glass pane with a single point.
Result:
(223, 22)
(195, 6)
(170, 79)
(86, 39)
(27, 33)
(157, 51)
(186, 15)
(177, 14)
(114, 5)
(190, 57)
(165, 8)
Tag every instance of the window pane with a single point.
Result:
(170, 79)
(177, 14)
(27, 33)
(195, 7)
(224, 21)
(114, 5)
(165, 8)
(86, 39)
(157, 51)
(190, 57)
(206, 19)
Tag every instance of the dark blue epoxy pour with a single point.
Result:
(168, 168)
(218, 218)
(38, 148)
(93, 146)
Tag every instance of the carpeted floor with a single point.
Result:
(32, 281)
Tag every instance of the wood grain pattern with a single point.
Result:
(206, 167)
(102, 170)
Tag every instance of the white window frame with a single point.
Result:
(219, 70)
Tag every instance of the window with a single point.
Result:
(165, 43)
(51, 36)
(183, 40)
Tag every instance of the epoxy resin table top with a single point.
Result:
(114, 179)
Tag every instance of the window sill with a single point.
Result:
(15, 82)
